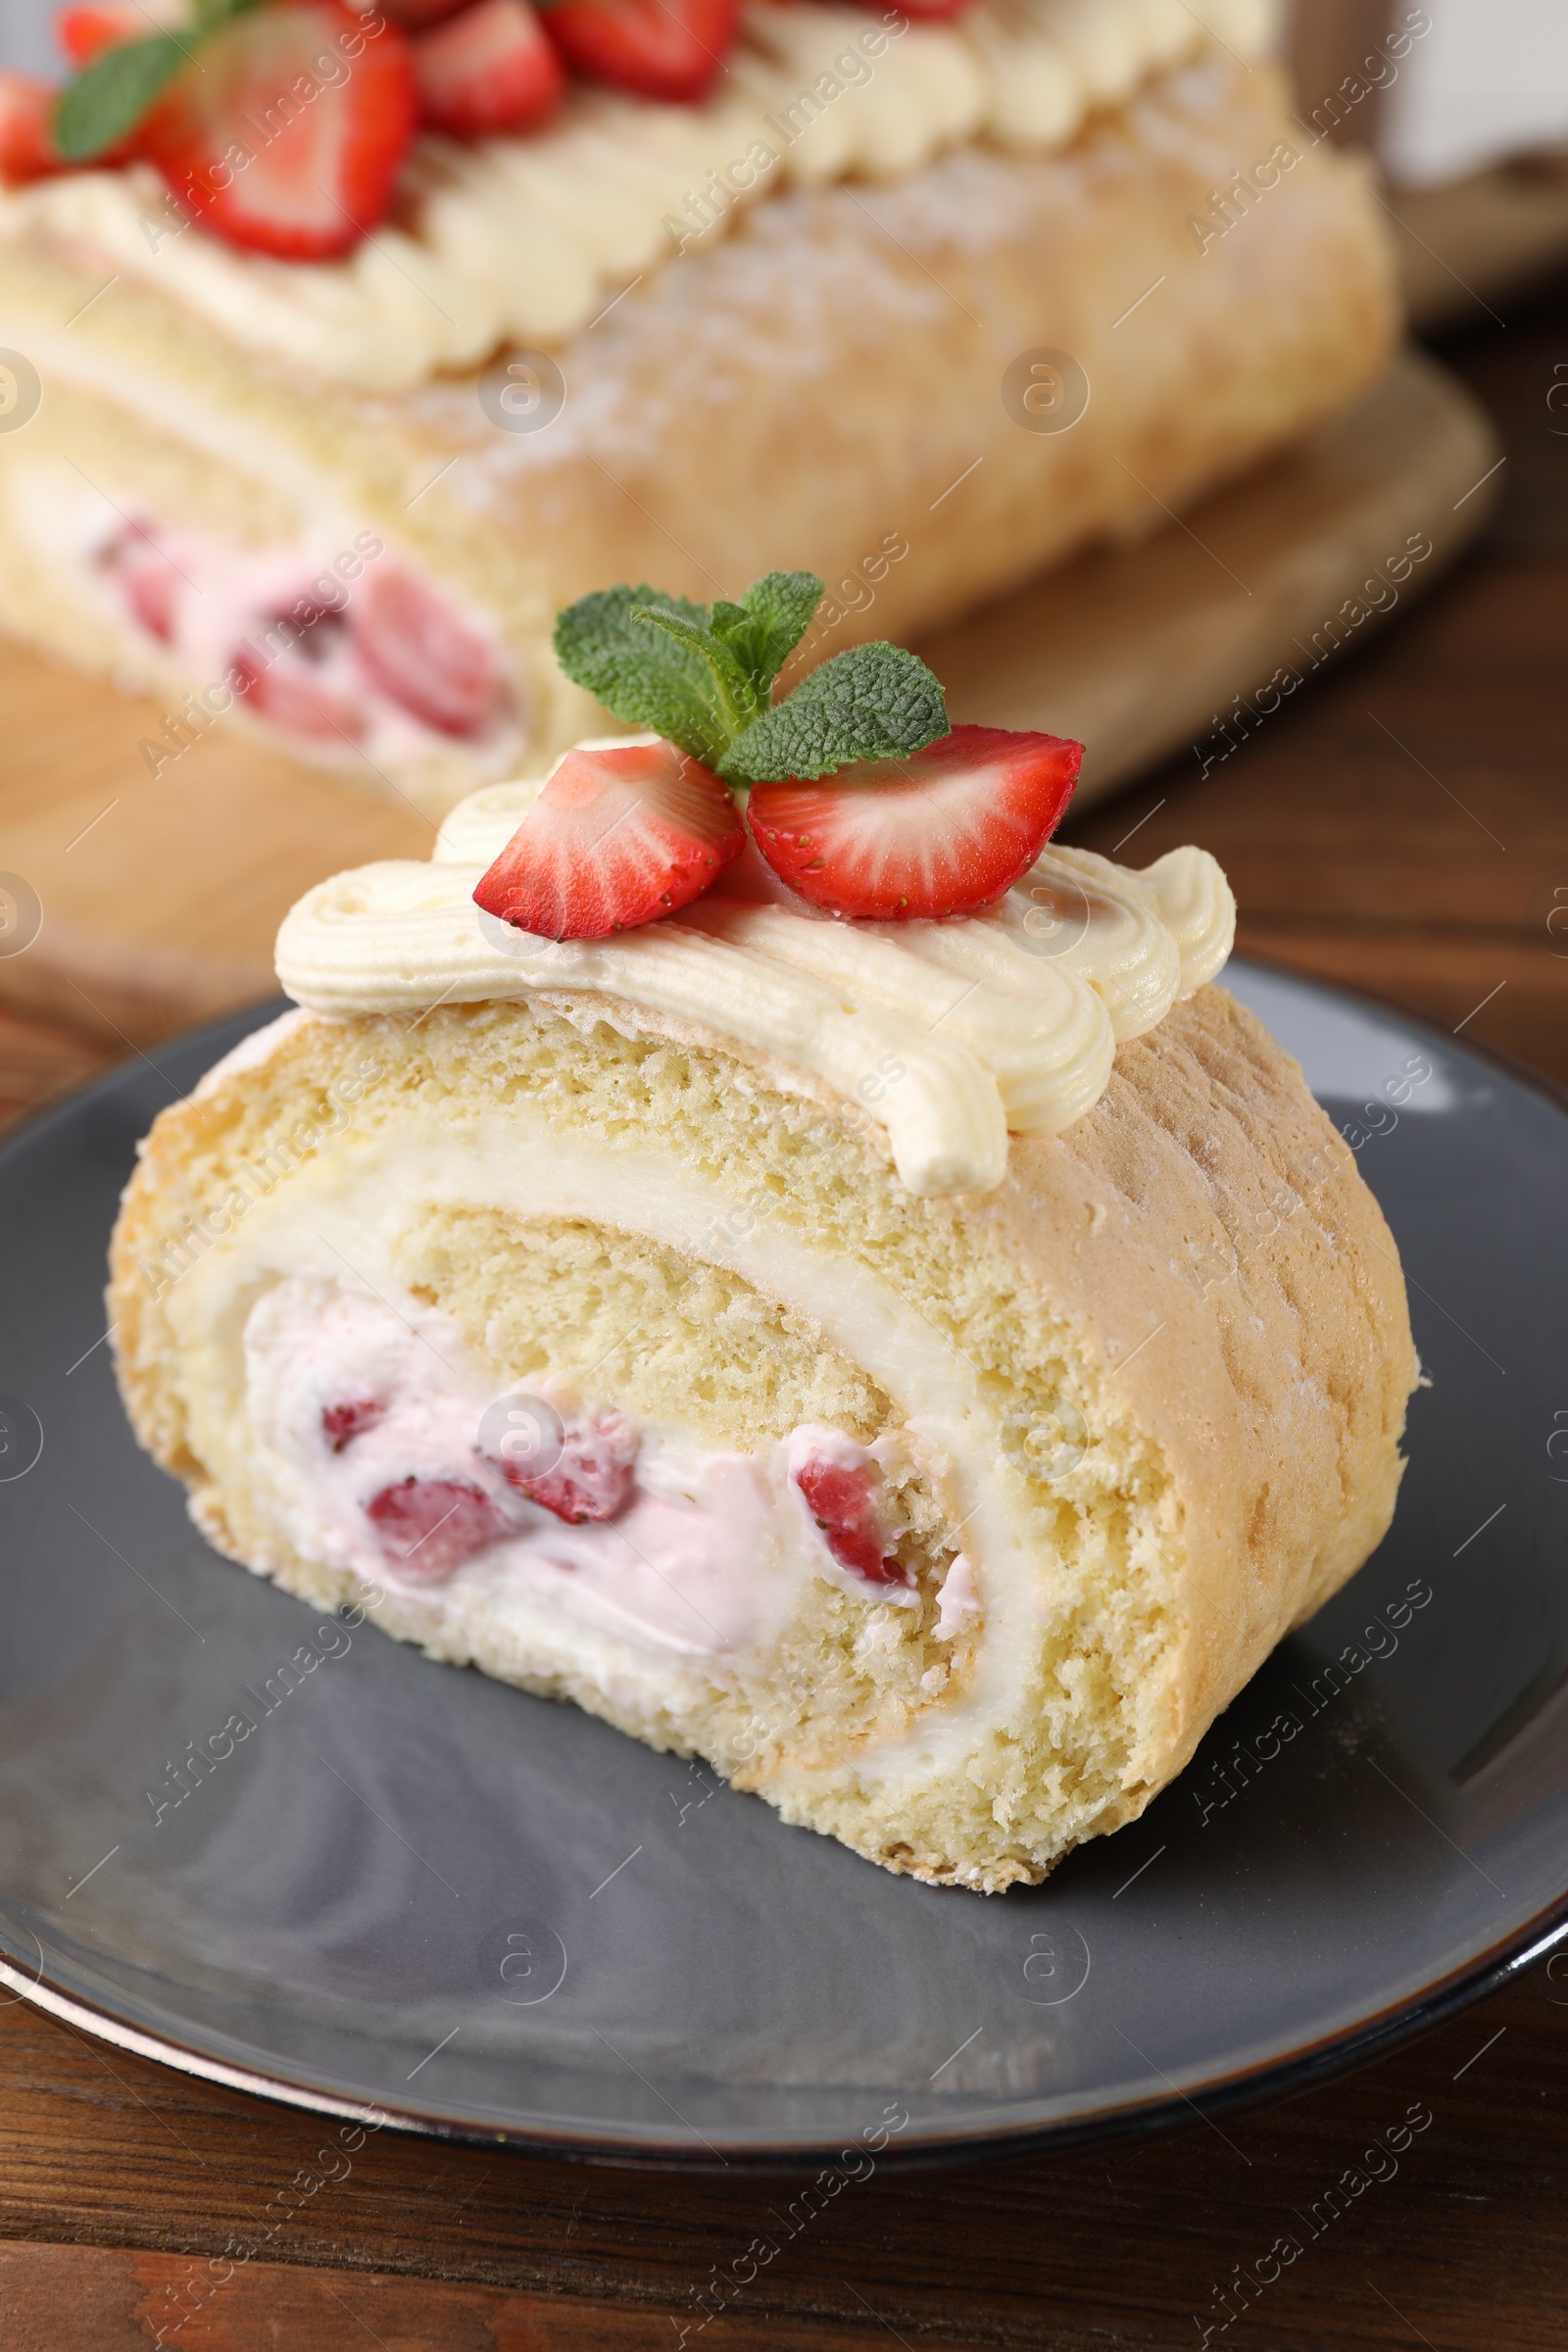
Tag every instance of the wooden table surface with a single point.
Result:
(1400, 825)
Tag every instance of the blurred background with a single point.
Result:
(1469, 129)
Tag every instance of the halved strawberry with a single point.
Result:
(85, 32)
(842, 1498)
(490, 69)
(941, 832)
(670, 49)
(615, 839)
(591, 1477)
(429, 1526)
(26, 151)
(420, 652)
(273, 155)
(82, 32)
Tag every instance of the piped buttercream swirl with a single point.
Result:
(946, 1035)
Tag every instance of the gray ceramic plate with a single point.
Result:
(495, 1918)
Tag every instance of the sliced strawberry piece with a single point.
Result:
(84, 33)
(490, 69)
(592, 1476)
(342, 1423)
(842, 1498)
(670, 49)
(429, 1526)
(943, 832)
(323, 152)
(419, 652)
(294, 698)
(26, 151)
(615, 839)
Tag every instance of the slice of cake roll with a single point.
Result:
(924, 307)
(921, 1367)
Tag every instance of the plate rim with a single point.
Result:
(927, 2149)
(658, 2148)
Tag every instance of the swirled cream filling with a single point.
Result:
(304, 1318)
(522, 240)
(369, 1424)
(947, 1035)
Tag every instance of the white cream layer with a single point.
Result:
(522, 240)
(946, 1035)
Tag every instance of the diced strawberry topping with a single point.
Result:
(489, 69)
(660, 48)
(423, 656)
(943, 832)
(342, 1423)
(592, 1477)
(26, 151)
(270, 153)
(294, 698)
(841, 1497)
(429, 1526)
(615, 839)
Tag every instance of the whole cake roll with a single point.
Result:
(922, 307)
(920, 1360)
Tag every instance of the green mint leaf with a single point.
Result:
(97, 110)
(646, 678)
(763, 629)
(735, 698)
(876, 702)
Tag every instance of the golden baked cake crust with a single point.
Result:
(1177, 1334)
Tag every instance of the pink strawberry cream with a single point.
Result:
(390, 1455)
(356, 652)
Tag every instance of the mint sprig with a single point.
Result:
(876, 701)
(763, 629)
(646, 679)
(107, 100)
(102, 104)
(702, 679)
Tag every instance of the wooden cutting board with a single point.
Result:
(160, 897)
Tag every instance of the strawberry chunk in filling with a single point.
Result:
(361, 649)
(342, 1423)
(839, 1491)
(429, 1526)
(385, 1450)
(591, 1477)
